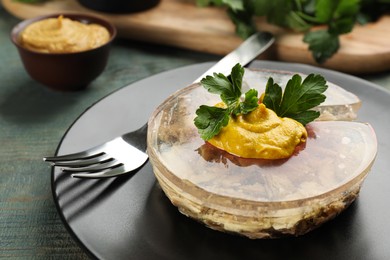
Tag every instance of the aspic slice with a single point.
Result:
(252, 197)
(261, 198)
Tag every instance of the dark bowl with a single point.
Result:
(119, 6)
(65, 71)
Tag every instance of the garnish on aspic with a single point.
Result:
(270, 127)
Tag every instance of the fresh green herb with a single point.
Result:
(298, 97)
(338, 16)
(296, 101)
(210, 120)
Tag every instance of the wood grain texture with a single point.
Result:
(180, 23)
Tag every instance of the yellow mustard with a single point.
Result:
(260, 134)
(63, 35)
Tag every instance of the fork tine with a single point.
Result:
(75, 156)
(111, 172)
(93, 168)
(84, 162)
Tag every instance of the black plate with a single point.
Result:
(130, 217)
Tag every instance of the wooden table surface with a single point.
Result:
(32, 121)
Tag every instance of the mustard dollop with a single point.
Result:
(63, 35)
(260, 134)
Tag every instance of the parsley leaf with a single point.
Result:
(306, 117)
(249, 104)
(322, 44)
(298, 97)
(210, 120)
(273, 96)
(245, 25)
(228, 89)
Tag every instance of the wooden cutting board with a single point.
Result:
(182, 24)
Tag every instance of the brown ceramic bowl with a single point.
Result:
(119, 6)
(64, 71)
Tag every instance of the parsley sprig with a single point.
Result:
(298, 97)
(296, 101)
(337, 16)
(210, 119)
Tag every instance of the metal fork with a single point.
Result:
(127, 153)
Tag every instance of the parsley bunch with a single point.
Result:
(338, 16)
(296, 101)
